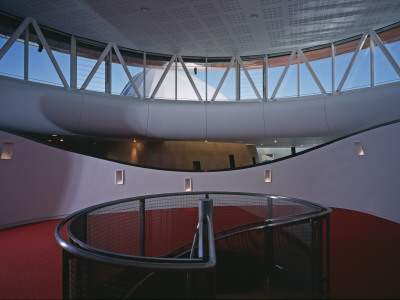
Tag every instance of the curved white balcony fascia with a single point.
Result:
(33, 107)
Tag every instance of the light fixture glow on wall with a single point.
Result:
(7, 150)
(359, 148)
(188, 185)
(120, 177)
(268, 176)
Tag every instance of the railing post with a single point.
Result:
(268, 245)
(316, 255)
(328, 254)
(67, 293)
(142, 212)
(205, 210)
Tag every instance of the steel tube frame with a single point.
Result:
(24, 26)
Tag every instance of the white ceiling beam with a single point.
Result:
(16, 34)
(265, 77)
(163, 76)
(385, 51)
(372, 60)
(333, 67)
(310, 69)
(190, 78)
(96, 66)
(223, 79)
(123, 64)
(346, 73)
(278, 85)
(248, 77)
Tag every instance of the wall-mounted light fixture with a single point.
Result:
(268, 176)
(359, 148)
(7, 150)
(188, 185)
(120, 177)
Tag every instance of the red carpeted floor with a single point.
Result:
(365, 259)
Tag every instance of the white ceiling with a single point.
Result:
(210, 27)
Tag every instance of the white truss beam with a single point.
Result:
(265, 77)
(73, 64)
(333, 67)
(372, 60)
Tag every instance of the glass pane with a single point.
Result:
(288, 87)
(120, 84)
(185, 89)
(255, 70)
(308, 86)
(383, 70)
(215, 72)
(360, 73)
(12, 63)
(276, 66)
(343, 55)
(87, 56)
(268, 154)
(321, 63)
(41, 68)
(391, 39)
(155, 67)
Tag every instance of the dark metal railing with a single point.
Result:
(86, 266)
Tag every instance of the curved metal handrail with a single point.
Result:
(88, 252)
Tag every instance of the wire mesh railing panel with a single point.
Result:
(170, 223)
(235, 210)
(292, 255)
(289, 207)
(115, 228)
(260, 241)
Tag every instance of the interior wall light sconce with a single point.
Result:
(188, 185)
(120, 177)
(7, 150)
(268, 176)
(359, 148)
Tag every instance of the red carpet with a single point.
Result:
(30, 262)
(364, 259)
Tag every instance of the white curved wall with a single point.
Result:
(26, 106)
(43, 182)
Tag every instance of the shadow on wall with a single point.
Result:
(32, 183)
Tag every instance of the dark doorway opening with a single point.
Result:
(196, 165)
(232, 161)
